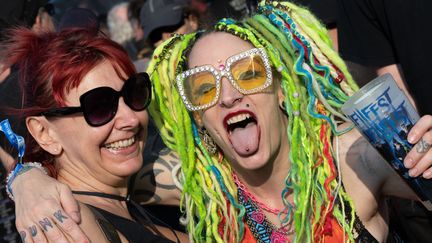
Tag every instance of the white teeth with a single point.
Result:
(238, 118)
(120, 144)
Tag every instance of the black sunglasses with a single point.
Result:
(99, 106)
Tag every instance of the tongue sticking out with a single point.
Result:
(245, 140)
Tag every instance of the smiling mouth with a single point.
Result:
(121, 144)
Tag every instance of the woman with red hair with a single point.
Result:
(85, 110)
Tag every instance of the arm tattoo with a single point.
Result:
(165, 162)
(33, 230)
(422, 146)
(59, 216)
(22, 235)
(44, 223)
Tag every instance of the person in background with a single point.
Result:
(388, 36)
(121, 29)
(79, 17)
(35, 14)
(162, 18)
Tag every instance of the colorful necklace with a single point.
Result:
(262, 229)
(248, 194)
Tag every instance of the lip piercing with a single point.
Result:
(247, 105)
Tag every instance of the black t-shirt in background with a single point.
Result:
(383, 32)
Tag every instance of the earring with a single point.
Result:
(208, 142)
(283, 108)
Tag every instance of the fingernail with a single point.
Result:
(411, 138)
(427, 175)
(408, 162)
(413, 172)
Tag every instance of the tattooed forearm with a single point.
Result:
(422, 146)
(45, 223)
(59, 216)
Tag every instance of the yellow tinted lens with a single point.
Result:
(200, 88)
(249, 73)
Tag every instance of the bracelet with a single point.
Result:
(21, 168)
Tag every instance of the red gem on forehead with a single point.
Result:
(221, 67)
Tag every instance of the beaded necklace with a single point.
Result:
(262, 229)
(248, 194)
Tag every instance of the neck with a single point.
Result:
(86, 181)
(268, 182)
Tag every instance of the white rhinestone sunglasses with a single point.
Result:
(225, 72)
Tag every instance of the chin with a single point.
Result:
(254, 162)
(127, 168)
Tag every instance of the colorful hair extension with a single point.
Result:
(315, 82)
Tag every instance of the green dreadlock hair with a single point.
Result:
(315, 82)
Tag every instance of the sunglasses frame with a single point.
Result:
(63, 111)
(226, 72)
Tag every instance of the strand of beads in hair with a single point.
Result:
(327, 69)
(304, 49)
(311, 49)
(343, 76)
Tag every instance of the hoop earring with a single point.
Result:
(208, 142)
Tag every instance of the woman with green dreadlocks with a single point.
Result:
(252, 109)
(267, 90)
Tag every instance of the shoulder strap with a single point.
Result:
(107, 228)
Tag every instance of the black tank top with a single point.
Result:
(133, 231)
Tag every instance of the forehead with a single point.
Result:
(216, 47)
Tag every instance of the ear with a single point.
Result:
(37, 26)
(281, 97)
(193, 22)
(198, 119)
(40, 130)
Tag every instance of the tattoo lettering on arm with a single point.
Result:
(59, 216)
(45, 223)
(33, 230)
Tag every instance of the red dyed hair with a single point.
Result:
(51, 64)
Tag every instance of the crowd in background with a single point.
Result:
(141, 25)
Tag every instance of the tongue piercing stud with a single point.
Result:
(247, 149)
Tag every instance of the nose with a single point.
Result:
(125, 117)
(229, 95)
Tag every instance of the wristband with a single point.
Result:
(21, 169)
